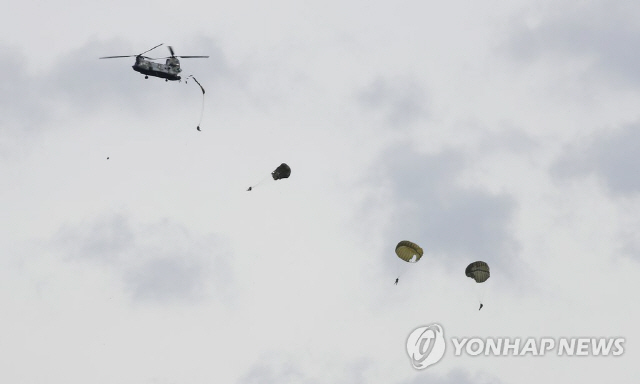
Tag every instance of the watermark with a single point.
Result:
(570, 346)
(426, 346)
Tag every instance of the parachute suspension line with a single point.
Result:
(202, 108)
(259, 182)
(481, 288)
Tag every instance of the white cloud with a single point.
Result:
(162, 268)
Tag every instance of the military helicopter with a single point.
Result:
(168, 71)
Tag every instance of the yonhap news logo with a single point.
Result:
(426, 346)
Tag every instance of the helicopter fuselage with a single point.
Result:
(169, 71)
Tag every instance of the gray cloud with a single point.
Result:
(159, 262)
(604, 32)
(283, 368)
(106, 240)
(510, 141)
(456, 376)
(400, 101)
(78, 81)
(451, 222)
(614, 157)
(167, 278)
(22, 106)
(276, 372)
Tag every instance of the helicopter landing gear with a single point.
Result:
(146, 77)
(166, 80)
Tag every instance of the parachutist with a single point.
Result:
(396, 283)
(202, 88)
(478, 271)
(249, 189)
(198, 128)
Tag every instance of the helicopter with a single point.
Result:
(168, 71)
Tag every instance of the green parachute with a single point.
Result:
(479, 272)
(407, 251)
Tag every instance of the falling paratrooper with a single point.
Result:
(282, 172)
(478, 271)
(202, 107)
(409, 252)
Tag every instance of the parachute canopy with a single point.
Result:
(478, 271)
(407, 250)
(282, 172)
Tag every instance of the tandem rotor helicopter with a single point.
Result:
(168, 71)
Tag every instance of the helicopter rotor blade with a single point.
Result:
(151, 49)
(171, 51)
(115, 57)
(183, 57)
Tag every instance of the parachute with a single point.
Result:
(282, 172)
(407, 250)
(478, 271)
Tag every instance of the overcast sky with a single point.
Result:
(507, 133)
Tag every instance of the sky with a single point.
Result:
(131, 251)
